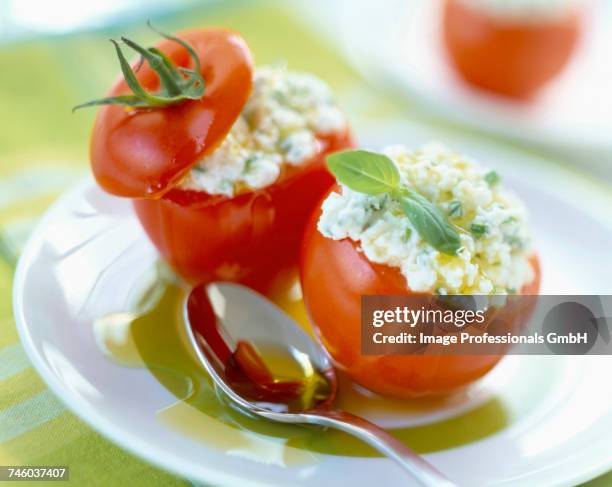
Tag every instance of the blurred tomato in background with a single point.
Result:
(506, 53)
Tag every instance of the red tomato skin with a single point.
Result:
(334, 275)
(143, 152)
(505, 57)
(248, 238)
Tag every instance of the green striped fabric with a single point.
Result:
(43, 150)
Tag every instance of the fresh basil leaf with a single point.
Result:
(364, 171)
(492, 178)
(375, 174)
(430, 223)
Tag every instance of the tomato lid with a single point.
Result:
(144, 152)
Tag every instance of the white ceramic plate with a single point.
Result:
(550, 418)
(398, 42)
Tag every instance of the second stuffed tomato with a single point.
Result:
(223, 185)
(360, 244)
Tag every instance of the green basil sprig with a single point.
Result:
(375, 174)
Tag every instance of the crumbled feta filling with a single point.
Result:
(495, 240)
(525, 10)
(278, 125)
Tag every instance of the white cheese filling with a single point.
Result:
(278, 125)
(492, 223)
(525, 10)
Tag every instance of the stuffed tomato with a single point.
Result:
(514, 47)
(369, 244)
(224, 170)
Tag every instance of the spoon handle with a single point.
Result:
(425, 473)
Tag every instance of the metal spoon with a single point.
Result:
(220, 315)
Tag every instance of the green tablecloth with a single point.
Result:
(43, 150)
